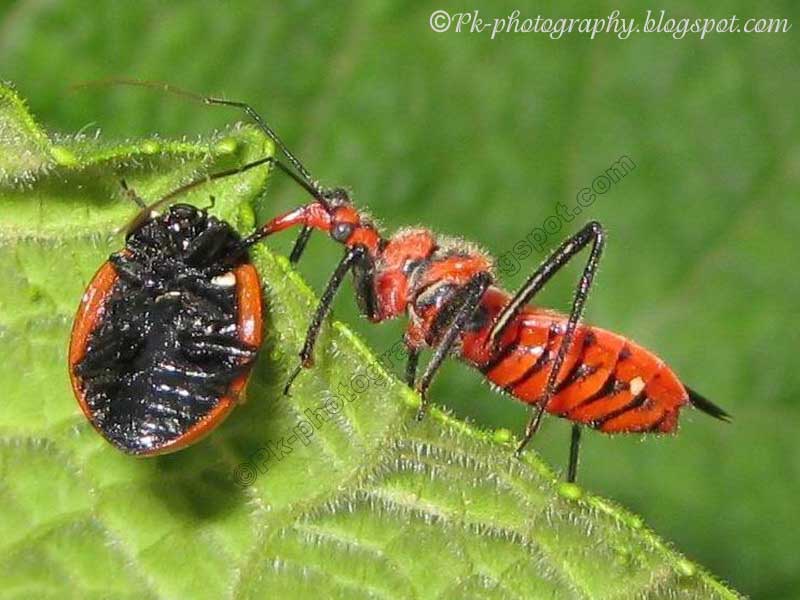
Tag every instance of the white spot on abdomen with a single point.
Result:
(636, 385)
(225, 280)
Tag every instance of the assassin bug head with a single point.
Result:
(344, 218)
(343, 222)
(351, 227)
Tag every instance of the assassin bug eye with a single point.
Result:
(341, 231)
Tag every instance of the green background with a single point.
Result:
(482, 138)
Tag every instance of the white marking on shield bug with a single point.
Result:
(636, 385)
(168, 295)
(225, 280)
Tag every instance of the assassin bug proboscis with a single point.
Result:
(590, 376)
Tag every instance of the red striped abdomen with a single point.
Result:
(606, 382)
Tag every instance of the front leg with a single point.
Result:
(300, 244)
(473, 293)
(411, 365)
(352, 257)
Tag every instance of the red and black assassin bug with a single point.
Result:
(549, 360)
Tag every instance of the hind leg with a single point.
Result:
(591, 233)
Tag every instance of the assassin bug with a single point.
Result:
(549, 360)
(590, 376)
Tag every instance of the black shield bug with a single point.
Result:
(166, 333)
(168, 329)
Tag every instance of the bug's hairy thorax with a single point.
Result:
(422, 276)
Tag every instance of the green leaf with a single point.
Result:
(334, 492)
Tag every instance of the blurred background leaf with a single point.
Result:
(483, 138)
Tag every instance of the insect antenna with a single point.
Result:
(300, 174)
(325, 196)
(704, 404)
(146, 210)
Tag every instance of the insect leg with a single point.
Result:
(351, 257)
(411, 366)
(574, 449)
(300, 244)
(591, 232)
(474, 291)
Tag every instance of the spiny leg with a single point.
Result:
(574, 449)
(411, 366)
(474, 291)
(300, 244)
(591, 232)
(352, 257)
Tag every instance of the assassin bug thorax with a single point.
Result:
(549, 360)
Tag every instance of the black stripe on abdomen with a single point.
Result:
(635, 403)
(544, 359)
